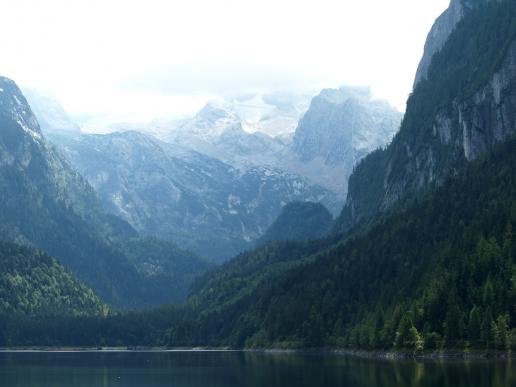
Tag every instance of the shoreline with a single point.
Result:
(399, 355)
(361, 354)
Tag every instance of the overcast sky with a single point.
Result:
(137, 59)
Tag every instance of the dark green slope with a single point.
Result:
(437, 267)
(171, 271)
(437, 271)
(440, 274)
(46, 204)
(428, 262)
(34, 284)
(466, 104)
(299, 221)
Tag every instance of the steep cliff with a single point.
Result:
(171, 192)
(45, 203)
(343, 125)
(440, 32)
(466, 104)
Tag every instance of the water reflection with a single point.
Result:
(238, 369)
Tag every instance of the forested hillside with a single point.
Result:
(45, 203)
(440, 274)
(34, 284)
(299, 221)
(464, 106)
(424, 254)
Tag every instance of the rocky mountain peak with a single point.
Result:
(342, 125)
(213, 120)
(14, 108)
(214, 112)
(344, 94)
(462, 110)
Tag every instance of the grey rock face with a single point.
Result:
(172, 192)
(465, 130)
(46, 203)
(440, 32)
(344, 125)
(459, 131)
(469, 127)
(490, 115)
(340, 128)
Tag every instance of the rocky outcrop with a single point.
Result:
(175, 193)
(436, 140)
(46, 203)
(490, 114)
(441, 30)
(343, 125)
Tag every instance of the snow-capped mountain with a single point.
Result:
(212, 185)
(340, 127)
(172, 192)
(343, 125)
(46, 204)
(274, 114)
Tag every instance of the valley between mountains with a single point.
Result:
(294, 220)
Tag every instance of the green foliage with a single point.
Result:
(437, 275)
(468, 60)
(167, 270)
(299, 221)
(34, 284)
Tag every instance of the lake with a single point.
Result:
(240, 369)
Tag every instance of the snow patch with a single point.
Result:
(24, 126)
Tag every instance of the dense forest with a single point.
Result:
(34, 284)
(439, 274)
(435, 272)
(418, 156)
(299, 221)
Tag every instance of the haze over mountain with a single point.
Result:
(421, 260)
(47, 204)
(178, 194)
(51, 116)
(452, 127)
(225, 50)
(213, 187)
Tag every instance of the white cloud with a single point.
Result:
(150, 56)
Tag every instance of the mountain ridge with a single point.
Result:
(464, 107)
(47, 204)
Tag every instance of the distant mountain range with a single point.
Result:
(45, 203)
(178, 194)
(421, 260)
(215, 182)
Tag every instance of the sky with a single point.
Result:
(134, 60)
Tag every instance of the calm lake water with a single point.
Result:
(238, 369)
